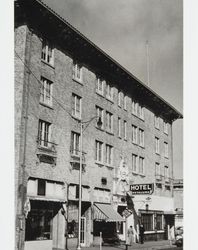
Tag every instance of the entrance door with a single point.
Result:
(83, 232)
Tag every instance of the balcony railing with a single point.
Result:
(47, 151)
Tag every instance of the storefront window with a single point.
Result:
(159, 222)
(147, 221)
(72, 229)
(39, 225)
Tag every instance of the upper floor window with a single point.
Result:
(100, 86)
(166, 149)
(134, 163)
(141, 112)
(109, 92)
(75, 143)
(44, 133)
(125, 130)
(157, 148)
(141, 137)
(77, 72)
(109, 155)
(46, 91)
(109, 122)
(157, 169)
(76, 106)
(119, 98)
(141, 165)
(157, 122)
(119, 127)
(125, 102)
(99, 151)
(100, 114)
(134, 134)
(166, 172)
(166, 128)
(135, 108)
(47, 53)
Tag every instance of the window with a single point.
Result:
(109, 92)
(157, 149)
(75, 143)
(46, 91)
(100, 86)
(134, 134)
(141, 112)
(119, 127)
(147, 221)
(77, 72)
(100, 112)
(166, 172)
(47, 53)
(157, 170)
(119, 99)
(134, 163)
(109, 122)
(109, 154)
(99, 151)
(125, 102)
(76, 106)
(141, 137)
(125, 130)
(166, 128)
(141, 165)
(156, 122)
(159, 222)
(166, 149)
(44, 133)
(39, 225)
(134, 108)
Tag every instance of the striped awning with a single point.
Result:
(106, 212)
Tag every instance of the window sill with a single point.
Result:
(120, 137)
(100, 164)
(135, 143)
(109, 166)
(157, 153)
(166, 157)
(157, 128)
(125, 139)
(101, 129)
(166, 133)
(78, 81)
(141, 146)
(109, 99)
(109, 132)
(135, 173)
(46, 105)
(142, 175)
(76, 118)
(49, 64)
(100, 94)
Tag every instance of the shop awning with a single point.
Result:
(106, 212)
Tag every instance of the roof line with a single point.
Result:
(109, 57)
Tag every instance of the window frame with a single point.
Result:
(157, 145)
(45, 50)
(141, 160)
(109, 122)
(99, 149)
(166, 128)
(99, 111)
(74, 109)
(77, 70)
(125, 102)
(108, 155)
(125, 130)
(166, 150)
(134, 134)
(43, 91)
(44, 132)
(119, 99)
(119, 128)
(141, 138)
(135, 160)
(100, 81)
(75, 143)
(157, 122)
(109, 91)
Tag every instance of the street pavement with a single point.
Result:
(151, 245)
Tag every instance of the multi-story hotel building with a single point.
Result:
(63, 80)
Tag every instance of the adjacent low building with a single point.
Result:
(63, 80)
(178, 201)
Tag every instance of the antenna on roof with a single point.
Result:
(147, 62)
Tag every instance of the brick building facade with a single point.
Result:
(62, 79)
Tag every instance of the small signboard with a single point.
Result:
(142, 188)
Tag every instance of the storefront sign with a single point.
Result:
(142, 188)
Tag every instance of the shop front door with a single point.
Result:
(83, 232)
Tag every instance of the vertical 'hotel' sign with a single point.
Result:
(142, 188)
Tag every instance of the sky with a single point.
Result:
(121, 28)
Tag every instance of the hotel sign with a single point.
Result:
(142, 188)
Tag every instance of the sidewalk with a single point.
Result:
(151, 245)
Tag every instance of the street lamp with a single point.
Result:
(99, 124)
